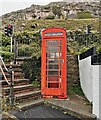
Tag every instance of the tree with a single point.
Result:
(57, 11)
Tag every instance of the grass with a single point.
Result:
(36, 84)
(84, 14)
(75, 90)
(70, 24)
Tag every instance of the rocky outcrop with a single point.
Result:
(38, 11)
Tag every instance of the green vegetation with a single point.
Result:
(84, 15)
(73, 90)
(70, 24)
(6, 104)
(79, 42)
(32, 68)
(36, 84)
(7, 56)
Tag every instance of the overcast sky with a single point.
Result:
(7, 6)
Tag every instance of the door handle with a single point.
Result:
(62, 61)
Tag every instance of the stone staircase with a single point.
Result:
(23, 90)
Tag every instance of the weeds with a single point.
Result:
(6, 104)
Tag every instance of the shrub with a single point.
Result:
(32, 69)
(7, 56)
(36, 84)
(25, 50)
(75, 90)
(99, 49)
(5, 40)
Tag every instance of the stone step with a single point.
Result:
(18, 73)
(13, 65)
(18, 89)
(28, 96)
(16, 76)
(15, 70)
(23, 91)
(23, 58)
(17, 82)
(15, 73)
(30, 104)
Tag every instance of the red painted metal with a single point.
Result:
(53, 66)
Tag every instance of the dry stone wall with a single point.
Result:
(72, 70)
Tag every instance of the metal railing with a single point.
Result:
(11, 83)
(96, 59)
(5, 69)
(21, 48)
(87, 39)
(78, 41)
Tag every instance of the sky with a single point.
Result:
(7, 6)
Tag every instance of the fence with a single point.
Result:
(77, 41)
(11, 82)
(80, 41)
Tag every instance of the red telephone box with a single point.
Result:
(53, 68)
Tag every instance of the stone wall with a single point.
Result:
(72, 70)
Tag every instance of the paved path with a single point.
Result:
(76, 106)
(43, 111)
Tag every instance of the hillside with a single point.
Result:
(24, 32)
(71, 24)
(42, 12)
